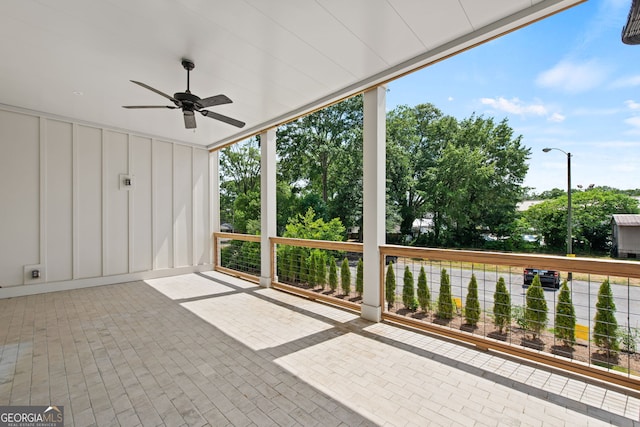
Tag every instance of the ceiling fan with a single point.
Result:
(189, 103)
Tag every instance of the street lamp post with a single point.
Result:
(569, 222)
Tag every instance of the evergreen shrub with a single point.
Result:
(390, 286)
(501, 306)
(424, 294)
(345, 277)
(445, 301)
(360, 278)
(408, 291)
(536, 311)
(565, 321)
(472, 304)
(604, 332)
(333, 275)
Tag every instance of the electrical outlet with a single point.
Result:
(127, 182)
(34, 273)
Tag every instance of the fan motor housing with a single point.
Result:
(187, 99)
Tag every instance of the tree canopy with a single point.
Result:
(466, 174)
(591, 212)
(240, 186)
(321, 154)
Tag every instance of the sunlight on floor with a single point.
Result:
(187, 286)
(268, 325)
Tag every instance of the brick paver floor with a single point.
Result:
(212, 350)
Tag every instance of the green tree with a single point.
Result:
(445, 301)
(408, 291)
(536, 311)
(424, 294)
(308, 227)
(472, 304)
(591, 212)
(333, 275)
(565, 321)
(360, 277)
(501, 306)
(303, 263)
(390, 286)
(604, 331)
(331, 140)
(549, 194)
(240, 184)
(475, 182)
(345, 277)
(412, 138)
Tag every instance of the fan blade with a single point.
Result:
(189, 120)
(175, 101)
(214, 100)
(150, 106)
(229, 120)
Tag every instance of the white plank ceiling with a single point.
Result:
(275, 59)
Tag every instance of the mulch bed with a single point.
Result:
(546, 342)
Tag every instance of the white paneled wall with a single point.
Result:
(19, 195)
(66, 212)
(58, 200)
(140, 205)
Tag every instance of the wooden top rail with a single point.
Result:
(236, 236)
(603, 267)
(320, 244)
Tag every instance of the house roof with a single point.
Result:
(526, 204)
(627, 220)
(631, 31)
(275, 59)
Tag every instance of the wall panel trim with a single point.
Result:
(105, 213)
(43, 196)
(75, 271)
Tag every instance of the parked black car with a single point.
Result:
(391, 258)
(547, 277)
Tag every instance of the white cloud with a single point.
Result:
(450, 98)
(626, 82)
(633, 121)
(632, 104)
(521, 108)
(573, 77)
(514, 106)
(556, 118)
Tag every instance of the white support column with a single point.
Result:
(267, 203)
(373, 199)
(214, 203)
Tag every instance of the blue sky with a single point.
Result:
(567, 82)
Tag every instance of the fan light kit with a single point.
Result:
(189, 103)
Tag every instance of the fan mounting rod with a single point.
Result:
(188, 65)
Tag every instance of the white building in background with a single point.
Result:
(626, 235)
